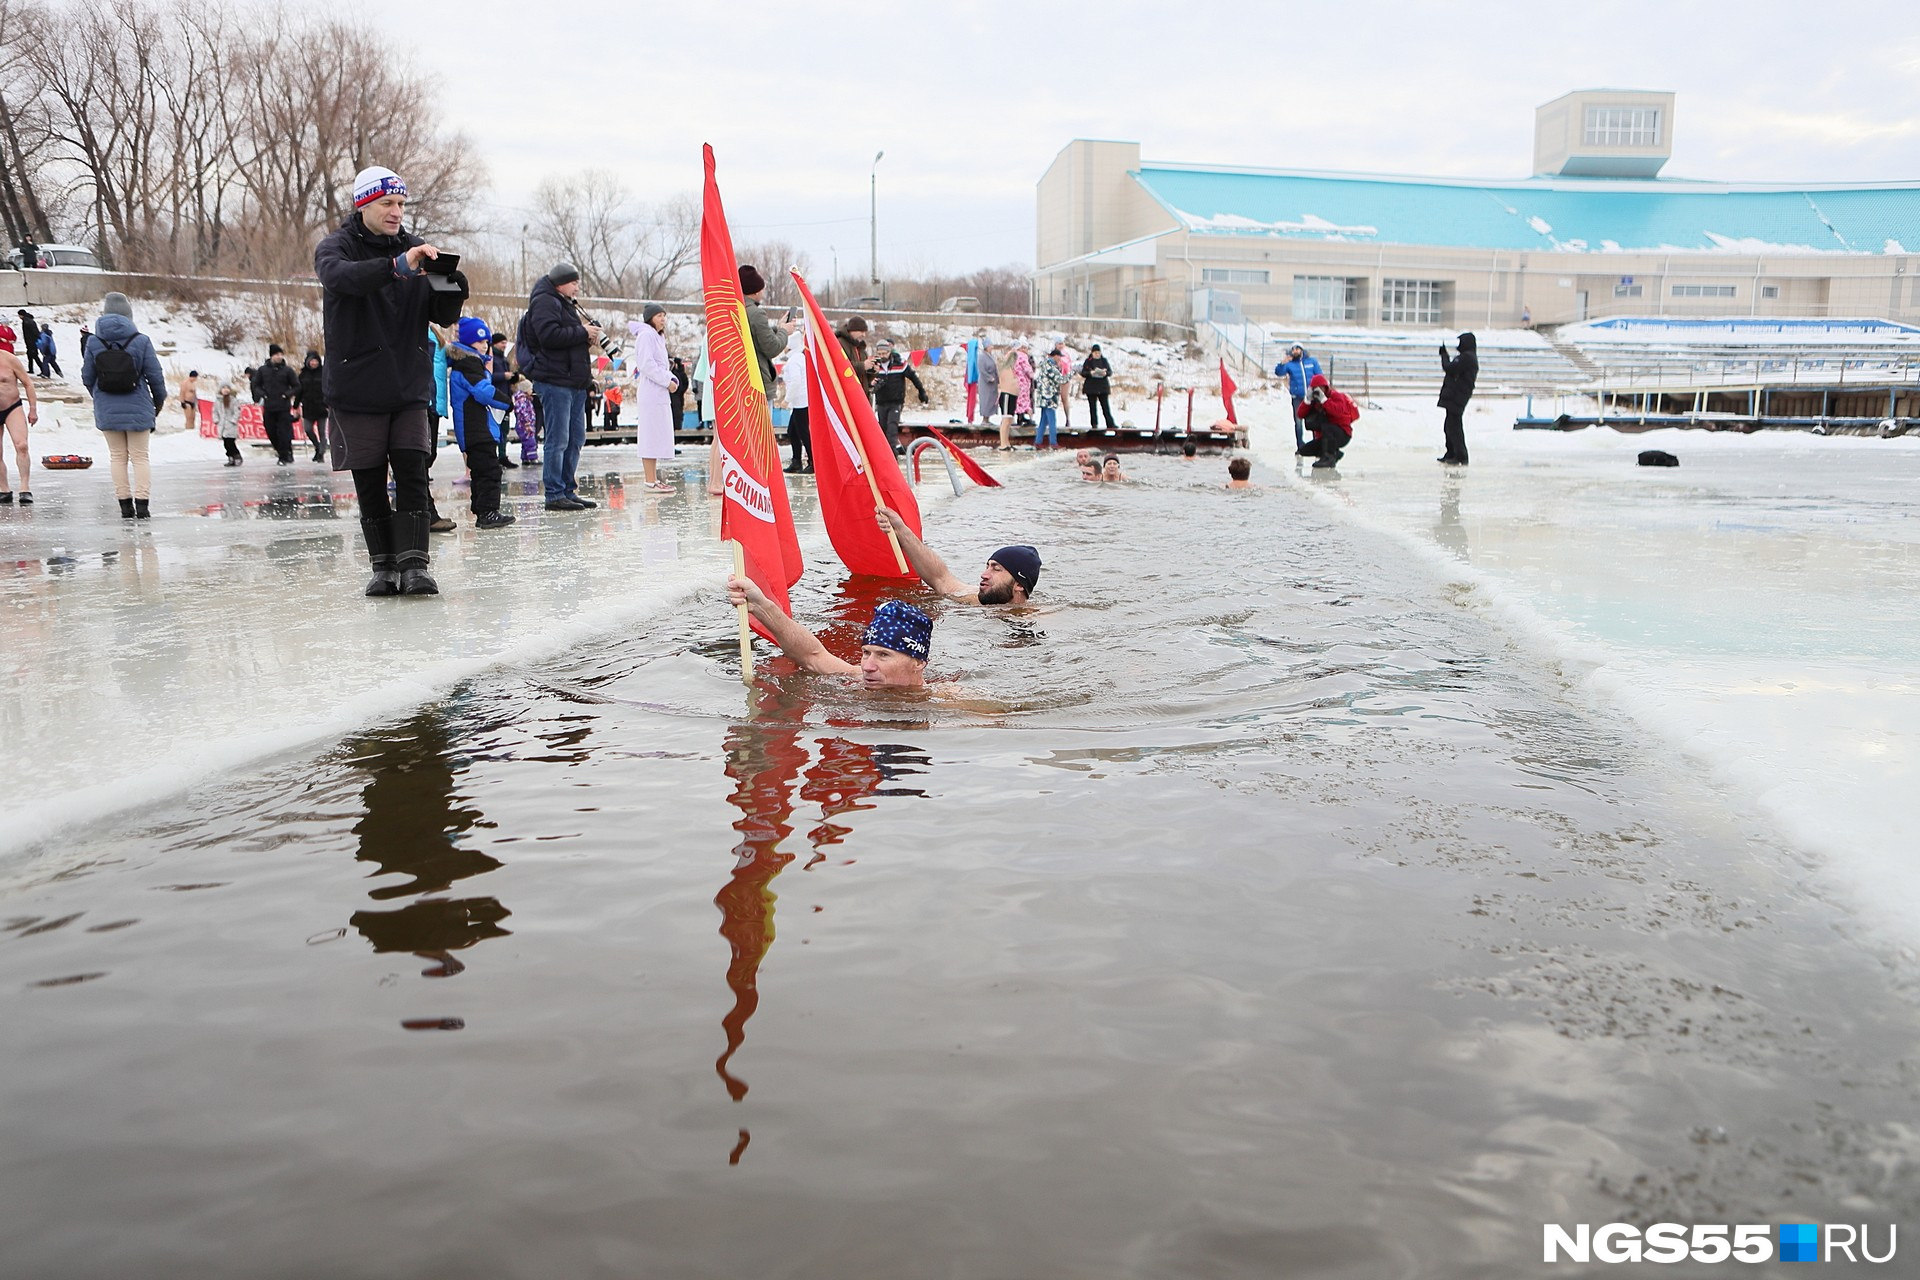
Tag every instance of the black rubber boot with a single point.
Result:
(126, 508)
(379, 536)
(140, 511)
(410, 553)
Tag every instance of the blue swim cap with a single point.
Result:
(902, 628)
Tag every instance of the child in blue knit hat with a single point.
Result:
(471, 398)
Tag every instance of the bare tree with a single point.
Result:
(774, 259)
(25, 132)
(163, 120)
(622, 247)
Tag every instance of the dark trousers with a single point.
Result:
(800, 436)
(612, 417)
(1456, 431)
(279, 425)
(233, 447)
(1299, 429)
(1097, 404)
(1332, 440)
(314, 424)
(889, 415)
(409, 468)
(483, 468)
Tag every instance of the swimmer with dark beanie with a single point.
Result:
(1009, 578)
(893, 654)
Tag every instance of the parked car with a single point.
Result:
(871, 302)
(56, 257)
(952, 305)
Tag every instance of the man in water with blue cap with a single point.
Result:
(1010, 576)
(893, 653)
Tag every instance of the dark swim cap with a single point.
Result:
(902, 628)
(1022, 561)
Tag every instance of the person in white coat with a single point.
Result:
(653, 387)
(226, 417)
(794, 374)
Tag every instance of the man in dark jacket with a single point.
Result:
(1096, 376)
(275, 388)
(30, 342)
(378, 378)
(1455, 391)
(313, 403)
(559, 343)
(853, 342)
(891, 374)
(769, 339)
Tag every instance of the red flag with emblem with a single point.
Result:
(1227, 388)
(753, 506)
(853, 464)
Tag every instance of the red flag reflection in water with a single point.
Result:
(763, 761)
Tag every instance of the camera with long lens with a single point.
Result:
(608, 347)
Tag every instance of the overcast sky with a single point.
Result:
(971, 101)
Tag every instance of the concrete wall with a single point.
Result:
(1490, 288)
(1086, 200)
(1559, 136)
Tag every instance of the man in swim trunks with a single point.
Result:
(893, 654)
(1009, 578)
(19, 409)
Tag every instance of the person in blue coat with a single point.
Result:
(1298, 369)
(471, 398)
(127, 394)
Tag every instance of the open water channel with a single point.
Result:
(1285, 918)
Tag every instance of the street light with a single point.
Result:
(873, 220)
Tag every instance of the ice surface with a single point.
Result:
(1758, 606)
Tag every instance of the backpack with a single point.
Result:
(114, 371)
(523, 344)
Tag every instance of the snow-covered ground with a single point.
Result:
(1759, 605)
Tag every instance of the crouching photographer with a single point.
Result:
(1329, 414)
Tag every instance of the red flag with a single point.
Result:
(975, 472)
(1227, 388)
(853, 465)
(753, 509)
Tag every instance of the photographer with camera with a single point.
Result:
(559, 343)
(378, 375)
(1329, 415)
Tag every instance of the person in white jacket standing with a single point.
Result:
(794, 374)
(653, 387)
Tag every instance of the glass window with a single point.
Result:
(1623, 126)
(1626, 291)
(1326, 298)
(1232, 275)
(1769, 290)
(1411, 301)
(1703, 291)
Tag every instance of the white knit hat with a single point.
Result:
(374, 182)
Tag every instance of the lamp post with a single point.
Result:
(873, 221)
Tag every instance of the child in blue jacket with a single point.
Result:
(470, 396)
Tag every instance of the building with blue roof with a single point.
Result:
(1595, 231)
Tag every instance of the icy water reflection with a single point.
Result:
(1276, 917)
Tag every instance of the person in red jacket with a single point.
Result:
(1330, 415)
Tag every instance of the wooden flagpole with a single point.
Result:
(746, 628)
